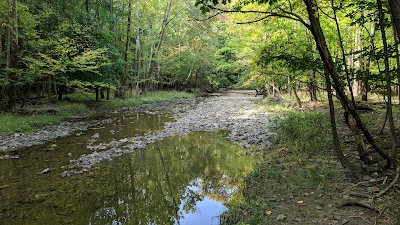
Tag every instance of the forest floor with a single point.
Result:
(299, 181)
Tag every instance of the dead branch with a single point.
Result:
(395, 180)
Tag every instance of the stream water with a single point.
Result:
(181, 180)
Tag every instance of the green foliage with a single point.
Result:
(295, 127)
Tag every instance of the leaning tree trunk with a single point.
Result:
(388, 85)
(338, 150)
(316, 30)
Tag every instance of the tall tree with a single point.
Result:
(13, 50)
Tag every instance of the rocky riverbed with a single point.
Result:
(235, 112)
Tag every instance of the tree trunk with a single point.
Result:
(48, 86)
(137, 50)
(2, 87)
(316, 30)
(388, 85)
(338, 150)
(395, 11)
(38, 90)
(312, 87)
(13, 52)
(359, 64)
(161, 36)
(60, 92)
(87, 6)
(368, 63)
(127, 45)
(97, 93)
(297, 97)
(1, 42)
(396, 47)
(108, 94)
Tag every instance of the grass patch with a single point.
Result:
(300, 168)
(72, 109)
(26, 124)
(150, 97)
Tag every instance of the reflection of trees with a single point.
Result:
(150, 185)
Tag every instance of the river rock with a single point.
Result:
(47, 170)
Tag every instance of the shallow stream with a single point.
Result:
(181, 180)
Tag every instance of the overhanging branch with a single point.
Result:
(284, 14)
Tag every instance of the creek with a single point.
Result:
(188, 179)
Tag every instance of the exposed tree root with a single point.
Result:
(359, 204)
(366, 183)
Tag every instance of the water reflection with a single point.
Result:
(183, 180)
